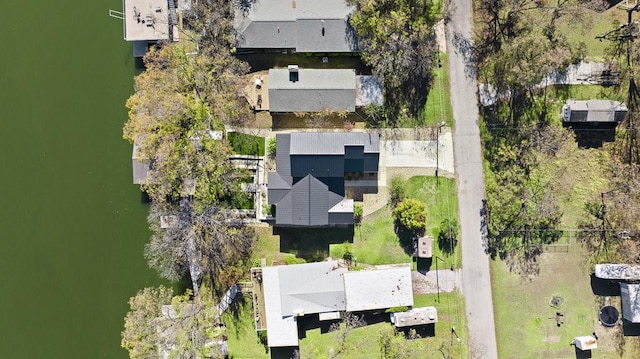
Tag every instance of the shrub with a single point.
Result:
(272, 146)
(397, 192)
(357, 214)
(411, 214)
(448, 236)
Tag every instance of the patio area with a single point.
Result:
(257, 91)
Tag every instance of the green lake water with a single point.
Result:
(72, 224)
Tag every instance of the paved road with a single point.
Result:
(476, 280)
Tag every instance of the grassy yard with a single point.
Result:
(267, 245)
(598, 23)
(375, 242)
(363, 342)
(243, 341)
(526, 322)
(244, 144)
(438, 105)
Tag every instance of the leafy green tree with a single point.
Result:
(448, 236)
(411, 214)
(394, 344)
(397, 191)
(180, 326)
(357, 214)
(140, 336)
(396, 39)
(174, 127)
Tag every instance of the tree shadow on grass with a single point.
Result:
(406, 237)
(312, 244)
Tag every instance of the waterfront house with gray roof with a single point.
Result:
(325, 289)
(295, 89)
(312, 90)
(308, 187)
(296, 25)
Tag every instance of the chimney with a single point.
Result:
(293, 73)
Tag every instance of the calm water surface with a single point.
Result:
(72, 226)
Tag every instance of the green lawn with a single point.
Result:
(267, 246)
(243, 342)
(363, 342)
(597, 23)
(522, 310)
(375, 242)
(244, 144)
(438, 105)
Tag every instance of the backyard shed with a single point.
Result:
(585, 342)
(425, 247)
(595, 111)
(415, 317)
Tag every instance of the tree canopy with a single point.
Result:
(411, 214)
(206, 243)
(396, 39)
(180, 101)
(159, 322)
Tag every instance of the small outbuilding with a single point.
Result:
(630, 296)
(415, 317)
(593, 111)
(585, 342)
(425, 247)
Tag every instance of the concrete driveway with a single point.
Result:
(420, 154)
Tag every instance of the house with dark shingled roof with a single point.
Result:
(308, 187)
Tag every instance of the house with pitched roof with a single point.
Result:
(593, 111)
(308, 187)
(295, 25)
(325, 289)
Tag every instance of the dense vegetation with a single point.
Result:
(396, 39)
(182, 101)
(517, 47)
(518, 44)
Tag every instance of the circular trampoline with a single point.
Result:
(608, 316)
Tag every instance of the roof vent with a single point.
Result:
(293, 73)
(293, 4)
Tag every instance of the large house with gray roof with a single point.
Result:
(308, 187)
(295, 25)
(324, 289)
(314, 90)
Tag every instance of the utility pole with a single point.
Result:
(440, 126)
